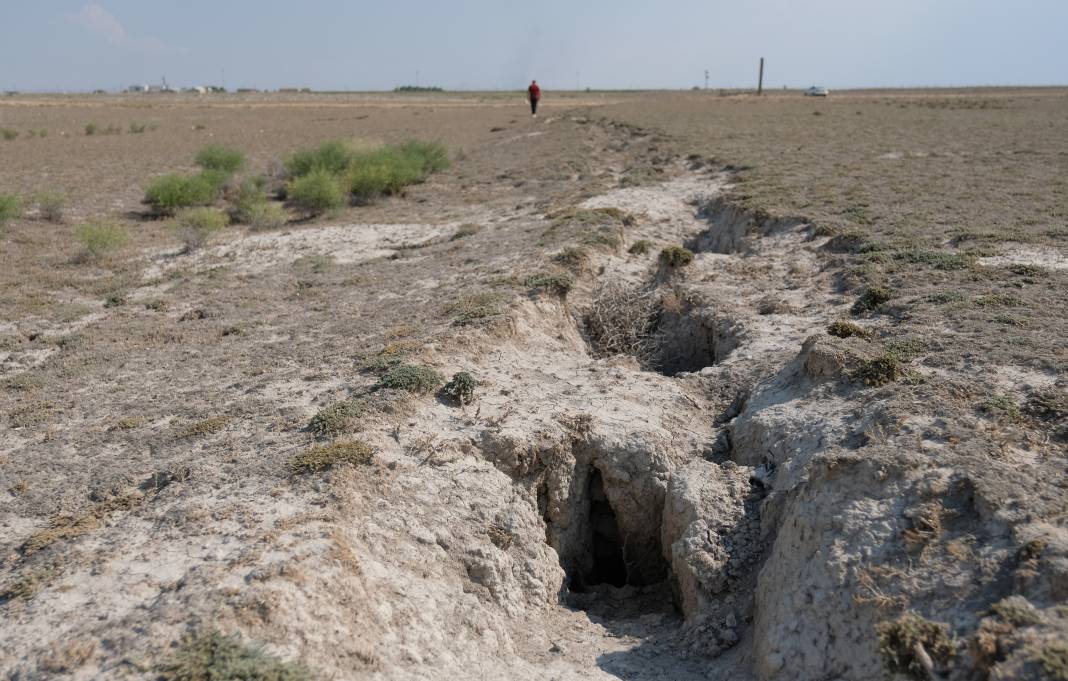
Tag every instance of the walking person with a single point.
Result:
(534, 95)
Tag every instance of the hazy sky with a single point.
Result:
(487, 44)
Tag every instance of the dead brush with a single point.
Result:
(622, 321)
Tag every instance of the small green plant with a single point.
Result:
(172, 192)
(1054, 659)
(332, 157)
(556, 283)
(901, 639)
(640, 247)
(137, 128)
(474, 307)
(413, 378)
(873, 297)
(99, 239)
(466, 230)
(1017, 611)
(92, 129)
(842, 328)
(208, 426)
(196, 226)
(9, 134)
(217, 157)
(10, 208)
(338, 418)
(461, 387)
(325, 456)
(880, 370)
(1001, 406)
(213, 656)
(263, 216)
(676, 256)
(49, 205)
(316, 193)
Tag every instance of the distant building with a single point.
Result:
(137, 88)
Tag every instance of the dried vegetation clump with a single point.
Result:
(915, 646)
(213, 656)
(622, 320)
(676, 256)
(413, 378)
(338, 418)
(322, 457)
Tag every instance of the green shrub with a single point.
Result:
(322, 457)
(216, 157)
(332, 157)
(213, 656)
(842, 328)
(338, 418)
(208, 426)
(461, 387)
(137, 128)
(262, 216)
(898, 639)
(9, 134)
(411, 377)
(92, 129)
(50, 205)
(250, 194)
(880, 370)
(640, 247)
(316, 192)
(557, 283)
(10, 208)
(196, 226)
(432, 156)
(98, 239)
(368, 181)
(872, 298)
(171, 192)
(1054, 659)
(676, 256)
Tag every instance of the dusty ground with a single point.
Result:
(728, 492)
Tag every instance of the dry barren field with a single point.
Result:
(655, 386)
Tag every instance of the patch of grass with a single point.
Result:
(196, 226)
(208, 426)
(941, 260)
(332, 157)
(640, 247)
(316, 192)
(1017, 611)
(997, 300)
(100, 239)
(129, 423)
(137, 128)
(264, 216)
(1032, 271)
(1001, 406)
(26, 585)
(172, 192)
(676, 256)
(944, 297)
(91, 128)
(1054, 659)
(413, 378)
(880, 370)
(325, 456)
(213, 656)
(8, 134)
(873, 297)
(49, 205)
(574, 258)
(556, 283)
(10, 208)
(338, 418)
(218, 157)
(474, 307)
(899, 639)
(466, 230)
(461, 387)
(842, 328)
(907, 348)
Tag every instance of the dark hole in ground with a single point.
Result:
(609, 565)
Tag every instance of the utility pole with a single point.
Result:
(706, 79)
(760, 80)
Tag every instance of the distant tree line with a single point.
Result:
(418, 88)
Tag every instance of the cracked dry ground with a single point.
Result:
(669, 471)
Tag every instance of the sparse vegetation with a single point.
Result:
(213, 656)
(461, 387)
(413, 378)
(880, 370)
(873, 297)
(676, 256)
(908, 643)
(1017, 611)
(574, 258)
(100, 239)
(26, 585)
(640, 247)
(1001, 406)
(264, 216)
(842, 328)
(1054, 658)
(49, 205)
(196, 226)
(217, 157)
(10, 208)
(325, 456)
(474, 307)
(8, 134)
(622, 321)
(338, 418)
(556, 283)
(208, 426)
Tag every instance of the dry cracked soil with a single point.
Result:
(740, 389)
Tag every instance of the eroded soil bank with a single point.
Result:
(669, 468)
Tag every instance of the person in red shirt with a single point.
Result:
(534, 95)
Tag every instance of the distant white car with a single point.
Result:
(815, 91)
